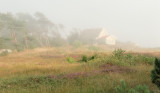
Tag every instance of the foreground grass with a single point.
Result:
(30, 71)
(101, 83)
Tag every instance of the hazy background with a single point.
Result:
(128, 20)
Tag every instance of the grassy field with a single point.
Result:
(49, 71)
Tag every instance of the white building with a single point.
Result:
(109, 39)
(98, 36)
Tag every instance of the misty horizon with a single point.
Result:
(136, 21)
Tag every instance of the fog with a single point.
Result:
(129, 20)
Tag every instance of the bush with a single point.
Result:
(93, 57)
(120, 56)
(139, 89)
(118, 53)
(86, 59)
(70, 59)
(155, 73)
(138, 59)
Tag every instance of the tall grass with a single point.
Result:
(29, 72)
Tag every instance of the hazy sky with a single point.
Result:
(129, 20)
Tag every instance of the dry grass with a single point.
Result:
(52, 61)
(31, 62)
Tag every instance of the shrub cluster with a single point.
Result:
(70, 59)
(119, 56)
(88, 58)
(118, 53)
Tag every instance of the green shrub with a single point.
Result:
(125, 59)
(70, 59)
(155, 73)
(118, 53)
(129, 56)
(145, 59)
(132, 59)
(93, 57)
(84, 58)
(138, 89)
(119, 57)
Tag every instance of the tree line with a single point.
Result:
(23, 31)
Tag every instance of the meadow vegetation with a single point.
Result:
(138, 89)
(76, 70)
